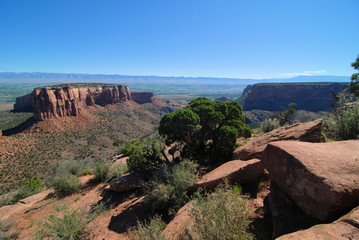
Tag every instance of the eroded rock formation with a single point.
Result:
(59, 101)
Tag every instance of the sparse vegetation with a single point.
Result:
(5, 232)
(170, 184)
(101, 171)
(286, 116)
(118, 170)
(269, 124)
(343, 120)
(144, 155)
(150, 230)
(66, 185)
(31, 187)
(221, 215)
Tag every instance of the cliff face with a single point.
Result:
(69, 101)
(272, 97)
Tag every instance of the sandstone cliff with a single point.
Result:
(69, 100)
(272, 97)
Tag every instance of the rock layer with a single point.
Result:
(59, 101)
(307, 132)
(322, 178)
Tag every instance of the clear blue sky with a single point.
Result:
(222, 38)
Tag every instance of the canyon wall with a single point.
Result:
(274, 97)
(66, 100)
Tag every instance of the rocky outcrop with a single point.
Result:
(236, 171)
(69, 100)
(322, 178)
(273, 97)
(347, 227)
(307, 132)
(177, 227)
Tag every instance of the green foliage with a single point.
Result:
(118, 170)
(221, 215)
(206, 130)
(143, 155)
(101, 171)
(150, 230)
(170, 184)
(117, 142)
(343, 121)
(354, 84)
(269, 124)
(70, 224)
(286, 116)
(31, 187)
(66, 185)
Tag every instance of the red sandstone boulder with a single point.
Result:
(235, 171)
(125, 183)
(322, 178)
(183, 219)
(307, 132)
(347, 227)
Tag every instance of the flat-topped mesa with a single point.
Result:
(276, 96)
(69, 100)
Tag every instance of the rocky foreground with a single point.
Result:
(313, 191)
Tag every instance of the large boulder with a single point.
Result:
(234, 171)
(307, 132)
(183, 219)
(322, 178)
(347, 227)
(127, 182)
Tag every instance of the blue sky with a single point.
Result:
(223, 38)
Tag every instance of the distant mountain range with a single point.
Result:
(38, 77)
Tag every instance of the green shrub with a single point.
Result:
(117, 142)
(221, 215)
(70, 224)
(269, 124)
(148, 231)
(144, 156)
(66, 185)
(343, 122)
(67, 226)
(170, 185)
(72, 167)
(101, 171)
(31, 187)
(118, 170)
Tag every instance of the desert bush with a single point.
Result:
(101, 171)
(170, 184)
(31, 187)
(70, 167)
(343, 121)
(150, 230)
(269, 124)
(221, 215)
(66, 185)
(67, 226)
(118, 170)
(144, 155)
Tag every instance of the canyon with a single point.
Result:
(70, 100)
